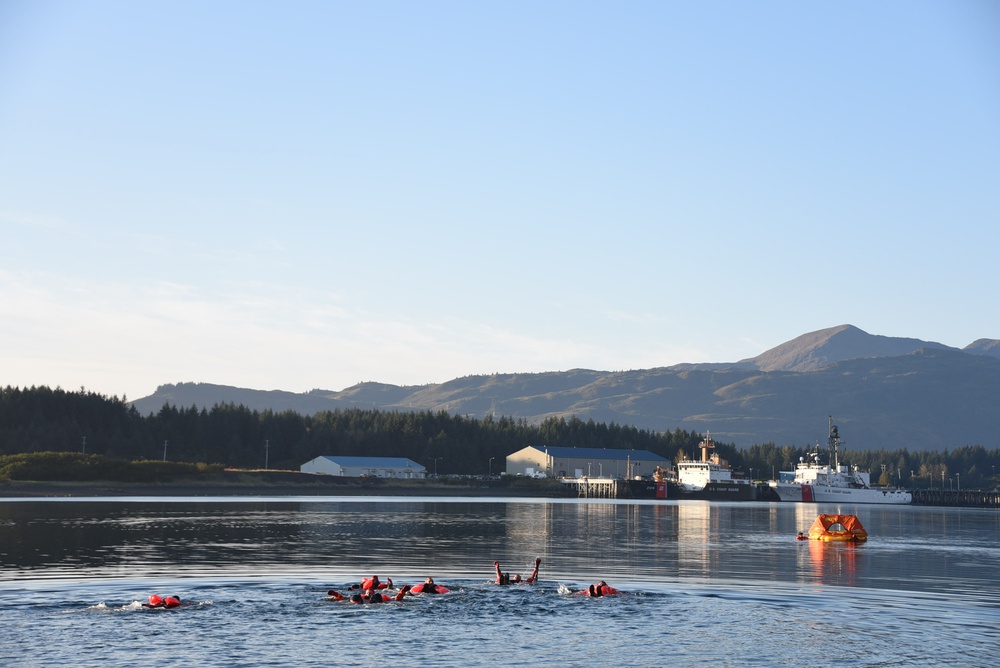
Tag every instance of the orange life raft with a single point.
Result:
(838, 528)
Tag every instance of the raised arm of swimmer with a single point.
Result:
(505, 578)
(534, 574)
(515, 578)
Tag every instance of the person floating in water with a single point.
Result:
(373, 583)
(428, 587)
(163, 602)
(508, 578)
(334, 595)
(599, 589)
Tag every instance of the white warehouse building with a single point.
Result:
(356, 467)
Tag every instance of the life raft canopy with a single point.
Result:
(838, 528)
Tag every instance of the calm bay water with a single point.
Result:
(704, 583)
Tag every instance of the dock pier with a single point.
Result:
(612, 488)
(594, 488)
(973, 498)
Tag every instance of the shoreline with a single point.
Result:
(354, 487)
(264, 485)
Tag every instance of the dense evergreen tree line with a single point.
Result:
(40, 419)
(967, 467)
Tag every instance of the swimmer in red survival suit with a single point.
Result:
(507, 578)
(428, 587)
(373, 583)
(599, 589)
(163, 602)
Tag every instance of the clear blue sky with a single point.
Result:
(297, 195)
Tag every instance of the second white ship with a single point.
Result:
(813, 481)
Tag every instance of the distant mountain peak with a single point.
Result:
(891, 392)
(989, 347)
(820, 349)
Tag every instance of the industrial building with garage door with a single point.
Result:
(569, 462)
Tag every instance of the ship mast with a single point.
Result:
(706, 445)
(834, 443)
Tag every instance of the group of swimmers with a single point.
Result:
(369, 588)
(369, 591)
(598, 589)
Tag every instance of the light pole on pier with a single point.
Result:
(491, 467)
(436, 465)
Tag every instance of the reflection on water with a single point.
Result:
(705, 583)
(909, 547)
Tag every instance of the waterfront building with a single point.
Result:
(356, 467)
(569, 462)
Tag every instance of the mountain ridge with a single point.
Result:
(888, 392)
(821, 348)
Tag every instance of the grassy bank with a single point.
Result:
(282, 483)
(68, 474)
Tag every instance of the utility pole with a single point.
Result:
(84, 445)
(267, 447)
(164, 451)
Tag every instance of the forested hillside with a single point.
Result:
(930, 399)
(40, 419)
